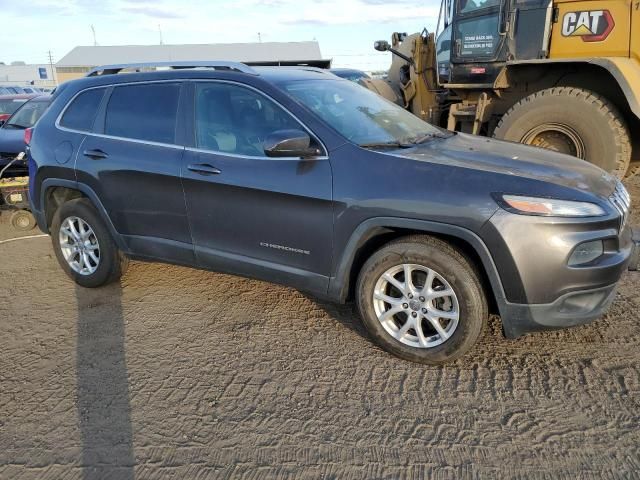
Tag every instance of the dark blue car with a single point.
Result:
(12, 133)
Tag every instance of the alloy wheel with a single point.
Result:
(416, 305)
(79, 246)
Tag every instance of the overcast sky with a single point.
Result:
(345, 29)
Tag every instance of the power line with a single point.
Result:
(53, 72)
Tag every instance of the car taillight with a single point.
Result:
(27, 135)
(4, 117)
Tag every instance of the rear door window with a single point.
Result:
(143, 112)
(81, 114)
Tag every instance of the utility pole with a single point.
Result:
(53, 72)
(160, 32)
(95, 41)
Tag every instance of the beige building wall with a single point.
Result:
(64, 74)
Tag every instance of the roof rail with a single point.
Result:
(219, 65)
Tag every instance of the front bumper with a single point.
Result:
(542, 291)
(571, 309)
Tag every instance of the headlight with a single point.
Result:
(551, 207)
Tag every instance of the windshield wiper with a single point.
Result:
(16, 125)
(386, 145)
(426, 138)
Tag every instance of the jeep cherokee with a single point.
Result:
(294, 176)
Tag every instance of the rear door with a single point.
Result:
(263, 217)
(132, 162)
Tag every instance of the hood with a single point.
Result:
(11, 141)
(480, 153)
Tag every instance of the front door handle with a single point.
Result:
(204, 169)
(95, 154)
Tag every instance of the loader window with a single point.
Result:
(468, 6)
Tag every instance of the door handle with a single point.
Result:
(204, 169)
(95, 154)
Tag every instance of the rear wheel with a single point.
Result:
(83, 245)
(572, 121)
(421, 300)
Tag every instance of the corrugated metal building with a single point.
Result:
(82, 59)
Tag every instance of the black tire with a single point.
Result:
(23, 220)
(454, 267)
(113, 263)
(592, 118)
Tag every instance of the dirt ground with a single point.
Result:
(179, 373)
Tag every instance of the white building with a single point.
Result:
(38, 75)
(82, 59)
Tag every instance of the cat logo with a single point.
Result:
(591, 26)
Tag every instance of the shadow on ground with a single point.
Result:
(102, 389)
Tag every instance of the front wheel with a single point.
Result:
(422, 300)
(83, 245)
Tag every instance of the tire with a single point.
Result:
(563, 113)
(23, 220)
(111, 263)
(454, 269)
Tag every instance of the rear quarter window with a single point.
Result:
(82, 111)
(143, 112)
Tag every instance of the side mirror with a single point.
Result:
(289, 143)
(382, 46)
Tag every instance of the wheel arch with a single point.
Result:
(54, 192)
(618, 80)
(373, 233)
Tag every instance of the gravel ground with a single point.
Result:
(179, 373)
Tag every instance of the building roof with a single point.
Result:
(268, 53)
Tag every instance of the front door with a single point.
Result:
(251, 215)
(479, 31)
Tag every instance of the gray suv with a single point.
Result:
(295, 176)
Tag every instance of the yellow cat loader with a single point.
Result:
(558, 74)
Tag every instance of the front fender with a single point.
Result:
(625, 71)
(339, 283)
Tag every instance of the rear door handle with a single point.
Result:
(204, 169)
(95, 154)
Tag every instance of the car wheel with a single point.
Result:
(83, 245)
(422, 300)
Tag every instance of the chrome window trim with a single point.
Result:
(250, 157)
(114, 85)
(57, 124)
(133, 140)
(324, 156)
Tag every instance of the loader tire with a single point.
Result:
(572, 121)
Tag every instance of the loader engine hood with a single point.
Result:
(478, 153)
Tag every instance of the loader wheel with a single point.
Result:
(571, 121)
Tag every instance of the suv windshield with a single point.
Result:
(27, 115)
(360, 115)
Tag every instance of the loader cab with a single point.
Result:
(480, 36)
